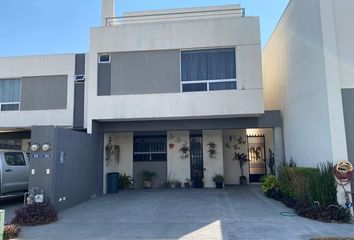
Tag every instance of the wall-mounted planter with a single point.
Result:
(171, 145)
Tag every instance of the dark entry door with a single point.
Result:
(196, 152)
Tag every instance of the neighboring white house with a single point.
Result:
(308, 74)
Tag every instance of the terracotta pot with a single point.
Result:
(171, 145)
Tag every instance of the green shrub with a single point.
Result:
(126, 181)
(269, 183)
(323, 187)
(294, 181)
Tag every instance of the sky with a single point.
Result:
(35, 27)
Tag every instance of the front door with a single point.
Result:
(196, 152)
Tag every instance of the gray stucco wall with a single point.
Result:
(269, 119)
(348, 107)
(79, 104)
(44, 92)
(104, 79)
(39, 163)
(160, 168)
(145, 72)
(79, 176)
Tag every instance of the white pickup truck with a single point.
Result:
(14, 172)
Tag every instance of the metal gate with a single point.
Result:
(196, 152)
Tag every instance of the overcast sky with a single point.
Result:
(30, 27)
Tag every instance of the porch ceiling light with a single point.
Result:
(35, 147)
(46, 147)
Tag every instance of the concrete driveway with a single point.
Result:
(235, 213)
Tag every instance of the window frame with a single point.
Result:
(104, 54)
(150, 153)
(206, 81)
(9, 103)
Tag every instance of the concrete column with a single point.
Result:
(278, 147)
(108, 10)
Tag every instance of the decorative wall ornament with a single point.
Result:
(212, 149)
(112, 153)
(185, 150)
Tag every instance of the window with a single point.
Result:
(79, 78)
(10, 144)
(150, 148)
(15, 159)
(208, 70)
(104, 58)
(10, 94)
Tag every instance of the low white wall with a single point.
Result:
(125, 164)
(178, 168)
(213, 165)
(232, 170)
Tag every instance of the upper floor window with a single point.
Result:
(208, 70)
(10, 94)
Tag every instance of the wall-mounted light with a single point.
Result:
(35, 147)
(46, 147)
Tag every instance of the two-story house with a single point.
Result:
(176, 92)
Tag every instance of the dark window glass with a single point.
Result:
(15, 159)
(105, 58)
(194, 87)
(210, 64)
(213, 86)
(150, 148)
(10, 107)
(10, 144)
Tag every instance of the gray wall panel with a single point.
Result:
(45, 182)
(79, 104)
(104, 79)
(79, 64)
(269, 119)
(348, 107)
(44, 92)
(145, 72)
(78, 178)
(160, 168)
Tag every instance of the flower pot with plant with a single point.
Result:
(212, 150)
(187, 183)
(147, 177)
(219, 180)
(242, 158)
(185, 151)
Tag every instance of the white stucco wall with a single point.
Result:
(213, 165)
(295, 83)
(46, 65)
(243, 33)
(232, 171)
(178, 168)
(343, 20)
(305, 69)
(125, 165)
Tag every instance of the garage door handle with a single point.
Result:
(8, 170)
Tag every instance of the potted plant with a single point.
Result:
(242, 158)
(187, 183)
(212, 149)
(219, 180)
(185, 150)
(126, 182)
(147, 177)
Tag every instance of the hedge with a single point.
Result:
(294, 182)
